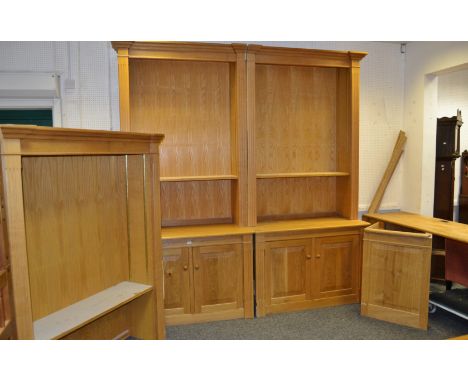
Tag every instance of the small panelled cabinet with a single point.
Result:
(260, 157)
(83, 241)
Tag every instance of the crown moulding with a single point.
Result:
(60, 133)
(228, 53)
(302, 56)
(180, 50)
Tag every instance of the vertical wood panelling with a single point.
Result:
(75, 208)
(295, 122)
(196, 202)
(295, 197)
(83, 217)
(190, 103)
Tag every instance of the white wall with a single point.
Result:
(453, 95)
(425, 62)
(93, 103)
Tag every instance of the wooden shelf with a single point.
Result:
(308, 224)
(301, 174)
(75, 316)
(264, 227)
(196, 178)
(204, 231)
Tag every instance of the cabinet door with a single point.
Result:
(177, 291)
(395, 276)
(336, 263)
(217, 275)
(287, 271)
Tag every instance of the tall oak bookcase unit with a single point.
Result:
(83, 232)
(303, 150)
(261, 143)
(194, 94)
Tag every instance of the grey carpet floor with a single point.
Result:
(335, 323)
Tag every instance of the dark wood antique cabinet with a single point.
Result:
(447, 152)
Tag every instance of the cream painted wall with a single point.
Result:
(425, 61)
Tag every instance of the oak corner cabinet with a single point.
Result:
(257, 137)
(83, 235)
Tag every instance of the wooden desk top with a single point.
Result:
(448, 229)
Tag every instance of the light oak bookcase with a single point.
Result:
(262, 145)
(303, 150)
(194, 93)
(83, 232)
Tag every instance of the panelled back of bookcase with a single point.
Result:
(74, 209)
(254, 133)
(191, 102)
(193, 95)
(295, 122)
(83, 217)
(303, 118)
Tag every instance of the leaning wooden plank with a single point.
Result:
(75, 316)
(397, 151)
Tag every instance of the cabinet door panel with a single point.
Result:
(218, 280)
(336, 261)
(287, 271)
(177, 291)
(395, 276)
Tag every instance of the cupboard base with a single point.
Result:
(306, 305)
(197, 318)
